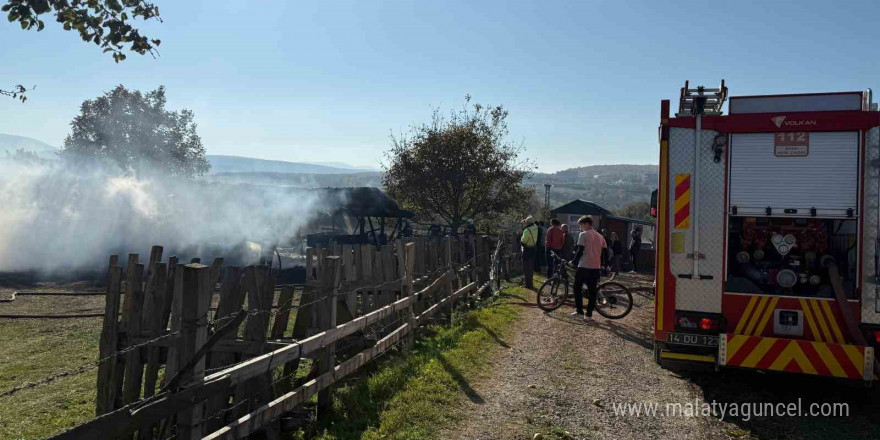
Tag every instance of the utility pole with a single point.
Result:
(547, 197)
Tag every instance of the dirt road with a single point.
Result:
(562, 377)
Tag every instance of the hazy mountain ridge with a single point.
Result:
(240, 164)
(611, 186)
(305, 180)
(9, 144)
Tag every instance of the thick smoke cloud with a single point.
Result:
(57, 218)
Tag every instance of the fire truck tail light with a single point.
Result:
(687, 321)
(708, 324)
(873, 337)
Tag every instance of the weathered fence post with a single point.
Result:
(231, 300)
(474, 256)
(368, 297)
(153, 323)
(106, 398)
(133, 367)
(260, 294)
(327, 359)
(410, 259)
(450, 274)
(350, 276)
(508, 252)
(190, 292)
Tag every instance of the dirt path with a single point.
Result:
(558, 374)
(563, 374)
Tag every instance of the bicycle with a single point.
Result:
(613, 301)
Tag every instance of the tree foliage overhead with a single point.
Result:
(17, 92)
(457, 168)
(134, 131)
(103, 22)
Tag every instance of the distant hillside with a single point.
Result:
(11, 143)
(305, 180)
(346, 166)
(238, 164)
(611, 186)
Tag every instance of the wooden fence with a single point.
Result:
(192, 351)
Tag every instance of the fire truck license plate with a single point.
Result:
(692, 339)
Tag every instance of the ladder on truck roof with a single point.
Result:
(701, 100)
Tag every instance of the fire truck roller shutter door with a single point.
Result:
(822, 172)
(695, 294)
(871, 208)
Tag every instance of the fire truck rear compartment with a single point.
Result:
(788, 256)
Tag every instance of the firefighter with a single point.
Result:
(529, 240)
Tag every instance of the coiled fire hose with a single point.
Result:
(846, 312)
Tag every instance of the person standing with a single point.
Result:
(553, 243)
(568, 244)
(616, 252)
(635, 247)
(529, 241)
(539, 257)
(588, 260)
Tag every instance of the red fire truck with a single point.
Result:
(767, 232)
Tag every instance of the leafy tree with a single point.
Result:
(637, 210)
(103, 22)
(134, 131)
(457, 168)
(510, 221)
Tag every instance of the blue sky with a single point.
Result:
(329, 81)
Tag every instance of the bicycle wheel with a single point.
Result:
(614, 300)
(552, 294)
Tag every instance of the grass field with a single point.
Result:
(31, 349)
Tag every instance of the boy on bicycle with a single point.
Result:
(588, 261)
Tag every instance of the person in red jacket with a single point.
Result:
(554, 241)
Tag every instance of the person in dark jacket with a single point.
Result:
(616, 252)
(568, 244)
(635, 248)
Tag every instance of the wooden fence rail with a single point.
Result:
(219, 379)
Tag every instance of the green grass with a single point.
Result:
(31, 349)
(413, 397)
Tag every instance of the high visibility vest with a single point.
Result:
(530, 236)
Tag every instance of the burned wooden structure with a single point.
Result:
(362, 215)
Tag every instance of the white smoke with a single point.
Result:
(55, 218)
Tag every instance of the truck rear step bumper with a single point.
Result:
(796, 356)
(677, 356)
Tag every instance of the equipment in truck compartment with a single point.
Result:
(786, 256)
